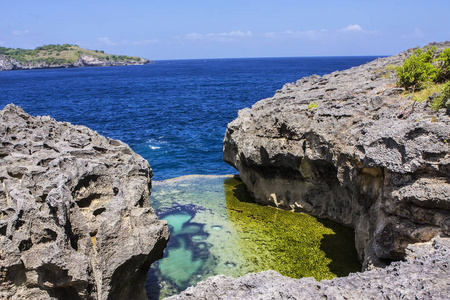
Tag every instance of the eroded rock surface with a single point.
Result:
(75, 220)
(424, 275)
(350, 146)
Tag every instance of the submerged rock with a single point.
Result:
(424, 275)
(350, 146)
(75, 220)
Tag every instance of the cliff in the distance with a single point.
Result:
(62, 56)
(75, 219)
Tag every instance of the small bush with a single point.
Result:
(440, 101)
(444, 65)
(417, 71)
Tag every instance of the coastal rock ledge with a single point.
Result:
(352, 147)
(75, 220)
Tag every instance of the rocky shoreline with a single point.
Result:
(75, 217)
(351, 147)
(8, 63)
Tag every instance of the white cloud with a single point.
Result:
(310, 34)
(145, 42)
(194, 36)
(236, 33)
(353, 28)
(221, 37)
(106, 41)
(20, 32)
(416, 34)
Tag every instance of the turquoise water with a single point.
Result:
(216, 228)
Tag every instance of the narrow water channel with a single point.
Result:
(217, 228)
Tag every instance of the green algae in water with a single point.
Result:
(288, 242)
(216, 228)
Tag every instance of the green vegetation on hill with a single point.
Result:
(60, 55)
(425, 73)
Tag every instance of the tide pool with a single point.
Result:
(217, 228)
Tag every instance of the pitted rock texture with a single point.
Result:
(75, 218)
(350, 146)
(424, 275)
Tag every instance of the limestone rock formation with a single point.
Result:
(350, 146)
(9, 63)
(424, 275)
(90, 61)
(75, 220)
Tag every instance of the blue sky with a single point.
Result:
(226, 29)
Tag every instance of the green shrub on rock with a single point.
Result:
(444, 65)
(417, 70)
(443, 100)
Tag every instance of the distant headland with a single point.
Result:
(62, 56)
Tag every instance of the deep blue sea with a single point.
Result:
(174, 113)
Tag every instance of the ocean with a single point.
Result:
(174, 112)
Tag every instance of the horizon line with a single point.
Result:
(271, 57)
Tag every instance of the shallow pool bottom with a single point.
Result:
(217, 228)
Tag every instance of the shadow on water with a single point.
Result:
(340, 248)
(184, 255)
(241, 192)
(152, 284)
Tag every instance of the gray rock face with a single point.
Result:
(351, 147)
(424, 275)
(9, 63)
(91, 61)
(75, 220)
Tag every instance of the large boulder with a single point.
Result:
(352, 147)
(75, 218)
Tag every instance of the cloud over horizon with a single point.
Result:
(109, 42)
(20, 32)
(220, 37)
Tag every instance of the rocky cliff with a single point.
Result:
(8, 63)
(85, 60)
(352, 147)
(75, 220)
(424, 275)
